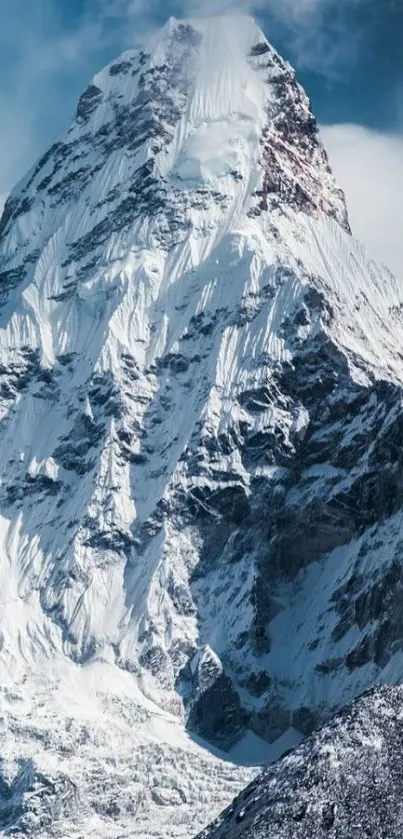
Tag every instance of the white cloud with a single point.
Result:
(369, 167)
(300, 10)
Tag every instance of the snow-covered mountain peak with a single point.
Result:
(235, 112)
(200, 382)
(204, 126)
(229, 34)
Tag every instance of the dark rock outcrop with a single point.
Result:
(343, 782)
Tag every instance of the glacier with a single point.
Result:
(200, 444)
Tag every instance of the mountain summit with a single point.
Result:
(201, 470)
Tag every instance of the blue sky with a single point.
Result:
(347, 53)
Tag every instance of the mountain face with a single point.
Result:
(345, 781)
(200, 443)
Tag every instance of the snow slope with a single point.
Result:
(201, 478)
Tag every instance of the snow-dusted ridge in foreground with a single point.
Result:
(201, 486)
(345, 780)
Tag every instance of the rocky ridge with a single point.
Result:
(344, 781)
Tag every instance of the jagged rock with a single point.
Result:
(345, 780)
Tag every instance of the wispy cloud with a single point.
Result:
(369, 166)
(318, 32)
(321, 35)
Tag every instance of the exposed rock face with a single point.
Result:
(346, 780)
(201, 409)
